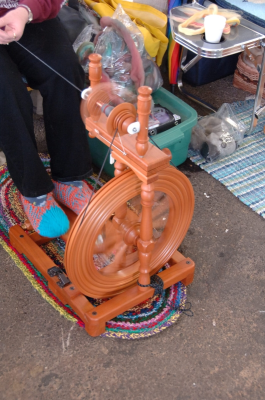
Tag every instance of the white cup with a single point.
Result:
(214, 25)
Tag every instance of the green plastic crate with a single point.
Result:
(176, 139)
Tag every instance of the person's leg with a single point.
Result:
(18, 143)
(65, 132)
(17, 138)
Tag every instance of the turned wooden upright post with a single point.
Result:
(143, 110)
(121, 212)
(95, 69)
(145, 244)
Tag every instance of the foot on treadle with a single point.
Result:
(74, 195)
(47, 218)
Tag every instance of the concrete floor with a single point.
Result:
(216, 354)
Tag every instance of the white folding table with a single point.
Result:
(246, 35)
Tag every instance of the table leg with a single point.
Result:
(258, 109)
(184, 68)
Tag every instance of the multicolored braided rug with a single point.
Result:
(146, 319)
(243, 172)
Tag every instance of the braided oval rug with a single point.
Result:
(243, 172)
(146, 319)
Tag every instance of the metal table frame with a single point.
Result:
(246, 35)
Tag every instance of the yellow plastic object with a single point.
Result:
(232, 18)
(151, 22)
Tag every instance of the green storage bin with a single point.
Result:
(176, 139)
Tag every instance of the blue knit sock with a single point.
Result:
(78, 184)
(37, 201)
(46, 216)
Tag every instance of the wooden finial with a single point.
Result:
(95, 69)
(143, 109)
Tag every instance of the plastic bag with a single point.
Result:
(135, 33)
(124, 59)
(151, 22)
(218, 135)
(83, 45)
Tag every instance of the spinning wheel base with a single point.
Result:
(95, 318)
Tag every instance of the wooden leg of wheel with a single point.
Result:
(95, 327)
(188, 280)
(144, 243)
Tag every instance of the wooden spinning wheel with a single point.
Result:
(121, 271)
(132, 226)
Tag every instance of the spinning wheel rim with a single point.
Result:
(80, 245)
